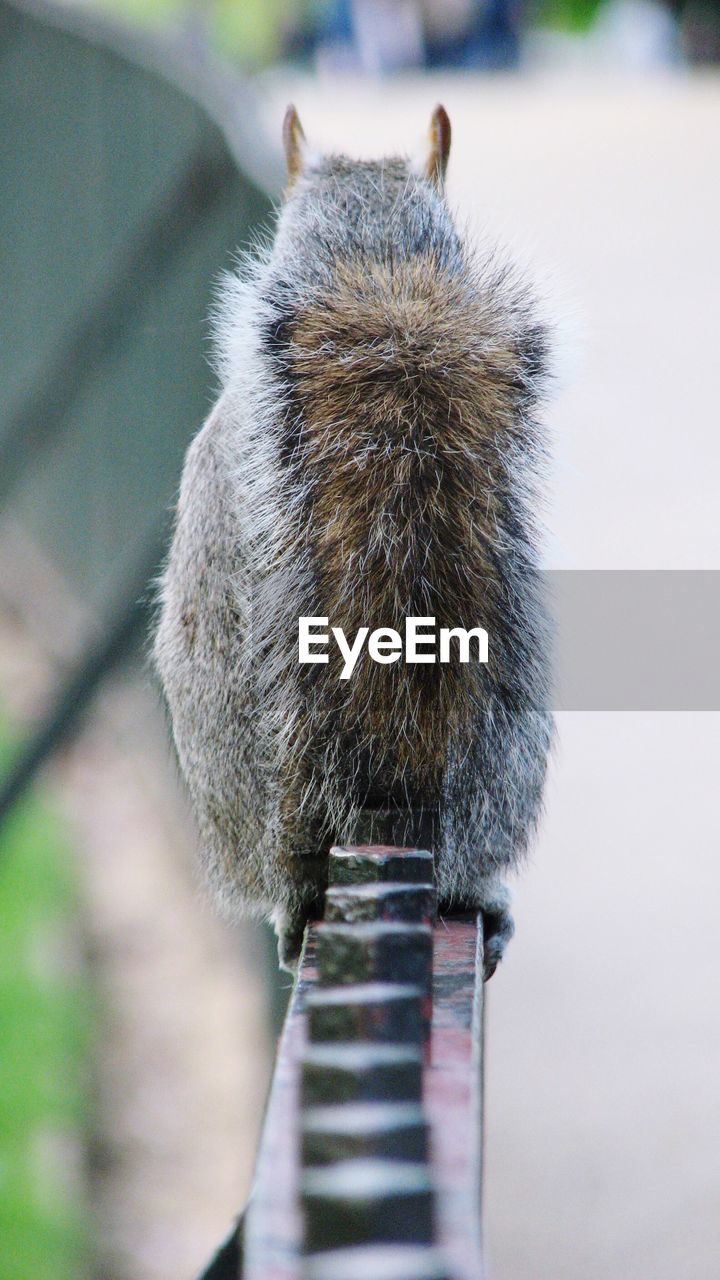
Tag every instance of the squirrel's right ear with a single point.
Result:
(294, 143)
(439, 138)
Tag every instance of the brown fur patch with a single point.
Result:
(403, 390)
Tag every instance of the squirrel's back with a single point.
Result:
(378, 438)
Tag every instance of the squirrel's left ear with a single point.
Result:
(439, 137)
(294, 143)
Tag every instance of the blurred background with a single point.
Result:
(140, 149)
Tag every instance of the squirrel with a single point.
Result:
(374, 454)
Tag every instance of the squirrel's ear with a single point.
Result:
(294, 143)
(439, 151)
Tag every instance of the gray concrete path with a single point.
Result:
(604, 1030)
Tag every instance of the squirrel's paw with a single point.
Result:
(493, 901)
(498, 927)
(289, 925)
(290, 939)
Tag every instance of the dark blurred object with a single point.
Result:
(380, 36)
(227, 1263)
(700, 29)
(487, 39)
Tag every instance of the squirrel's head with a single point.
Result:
(432, 167)
(338, 208)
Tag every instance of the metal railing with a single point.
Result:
(370, 1160)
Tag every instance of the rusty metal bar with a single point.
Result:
(370, 1163)
(454, 1090)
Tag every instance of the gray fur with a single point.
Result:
(271, 778)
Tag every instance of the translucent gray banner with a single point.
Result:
(622, 640)
(636, 640)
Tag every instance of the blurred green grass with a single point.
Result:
(249, 30)
(45, 1021)
(569, 15)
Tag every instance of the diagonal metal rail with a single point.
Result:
(122, 636)
(370, 1161)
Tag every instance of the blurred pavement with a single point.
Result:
(603, 1102)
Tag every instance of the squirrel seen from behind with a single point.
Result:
(372, 456)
